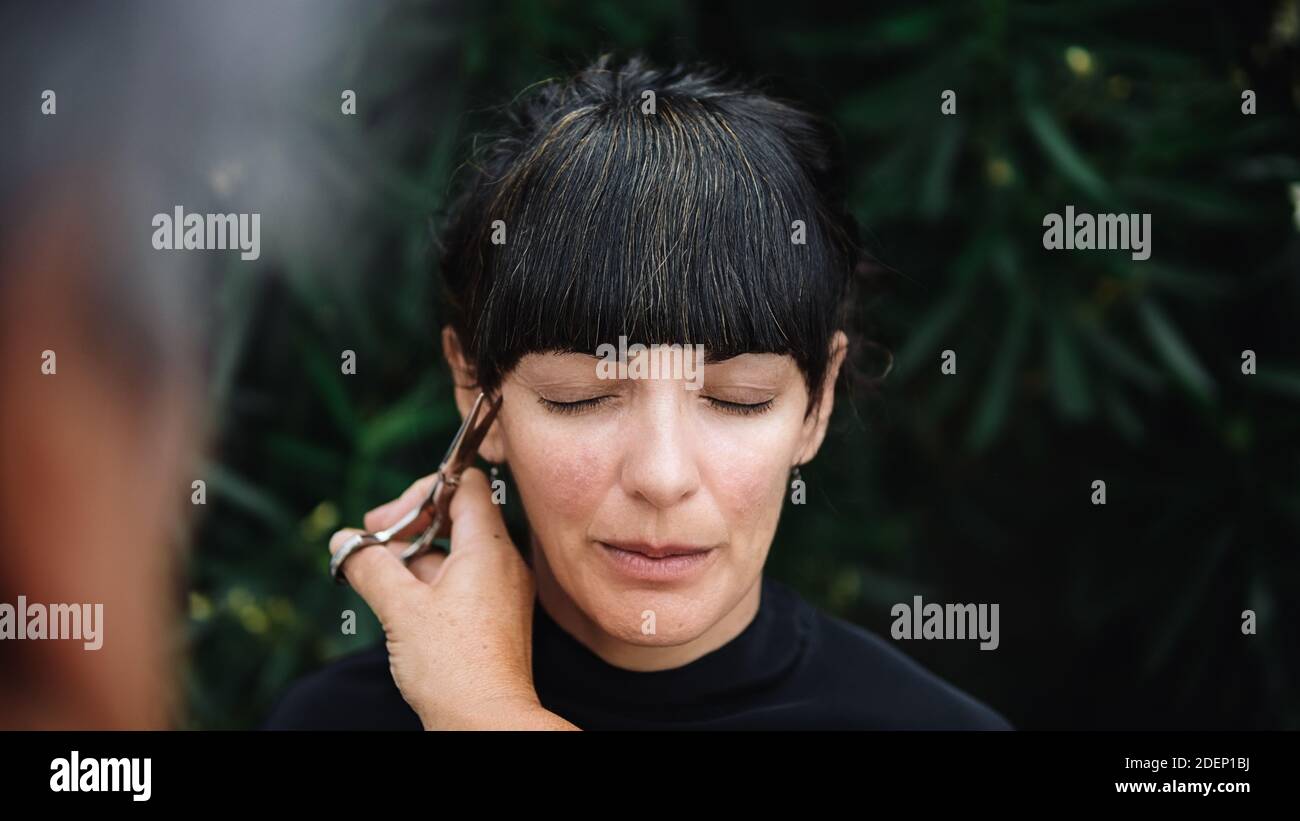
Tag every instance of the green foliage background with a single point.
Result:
(973, 487)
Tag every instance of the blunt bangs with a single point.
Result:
(677, 226)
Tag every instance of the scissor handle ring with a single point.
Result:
(355, 543)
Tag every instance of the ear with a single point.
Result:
(467, 390)
(814, 429)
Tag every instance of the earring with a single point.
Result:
(498, 486)
(798, 488)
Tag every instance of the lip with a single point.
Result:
(662, 562)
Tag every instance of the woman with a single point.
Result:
(631, 205)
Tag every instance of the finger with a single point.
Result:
(475, 521)
(424, 567)
(378, 576)
(386, 515)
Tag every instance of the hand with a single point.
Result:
(458, 626)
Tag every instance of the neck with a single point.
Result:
(565, 612)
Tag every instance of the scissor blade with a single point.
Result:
(472, 431)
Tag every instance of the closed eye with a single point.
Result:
(572, 407)
(581, 405)
(740, 408)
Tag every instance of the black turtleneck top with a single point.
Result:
(793, 667)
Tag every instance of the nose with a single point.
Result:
(660, 461)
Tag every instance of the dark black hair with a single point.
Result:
(675, 226)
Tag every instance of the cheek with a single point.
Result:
(743, 486)
(748, 467)
(561, 473)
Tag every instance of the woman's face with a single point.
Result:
(649, 495)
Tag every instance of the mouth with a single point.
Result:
(657, 562)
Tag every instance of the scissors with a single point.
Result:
(460, 455)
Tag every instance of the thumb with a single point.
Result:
(476, 523)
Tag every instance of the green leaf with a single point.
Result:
(1066, 380)
(922, 341)
(936, 188)
(1190, 284)
(303, 456)
(1062, 152)
(915, 26)
(1195, 202)
(1122, 415)
(883, 105)
(1125, 362)
(1178, 356)
(416, 416)
(327, 377)
(241, 493)
(1001, 384)
(1276, 380)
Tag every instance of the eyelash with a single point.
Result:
(737, 408)
(569, 408)
(740, 408)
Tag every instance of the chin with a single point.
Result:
(656, 618)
